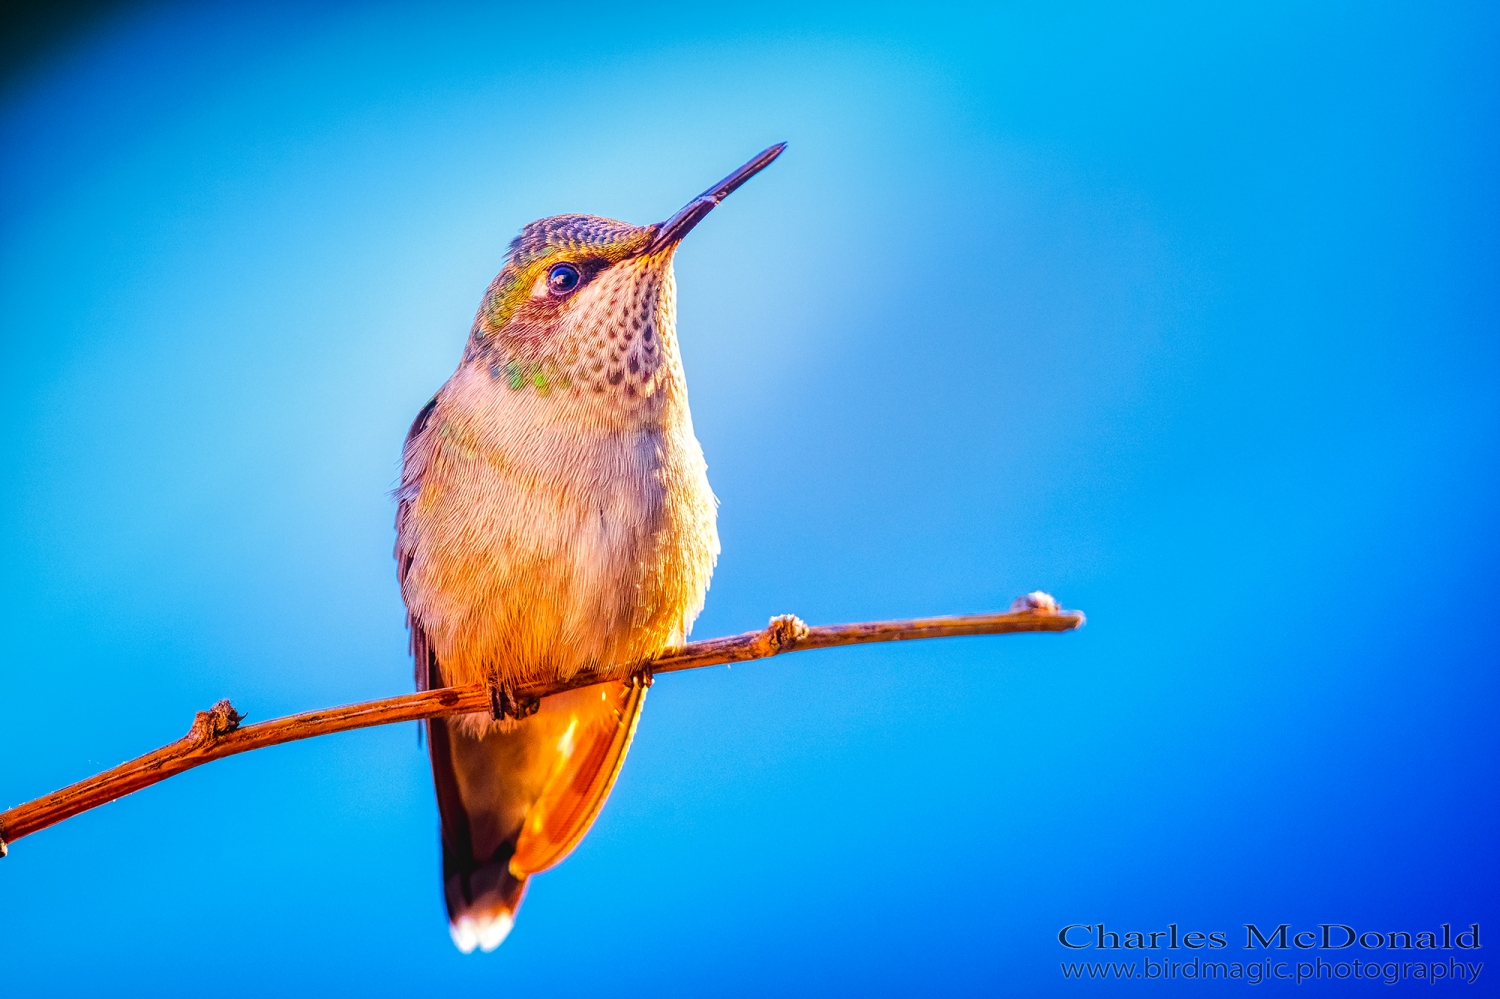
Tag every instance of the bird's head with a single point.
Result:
(586, 306)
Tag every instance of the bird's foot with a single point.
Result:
(504, 703)
(643, 677)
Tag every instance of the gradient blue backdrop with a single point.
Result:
(1187, 317)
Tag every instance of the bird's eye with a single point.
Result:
(562, 279)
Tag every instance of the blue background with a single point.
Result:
(1188, 317)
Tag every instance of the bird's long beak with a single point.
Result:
(673, 229)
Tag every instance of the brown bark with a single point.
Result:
(217, 733)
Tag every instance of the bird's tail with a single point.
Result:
(481, 892)
(516, 801)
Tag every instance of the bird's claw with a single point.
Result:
(505, 704)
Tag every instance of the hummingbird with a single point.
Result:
(554, 513)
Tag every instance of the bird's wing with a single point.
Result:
(424, 665)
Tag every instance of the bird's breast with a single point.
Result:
(539, 546)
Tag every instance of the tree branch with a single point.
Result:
(217, 733)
